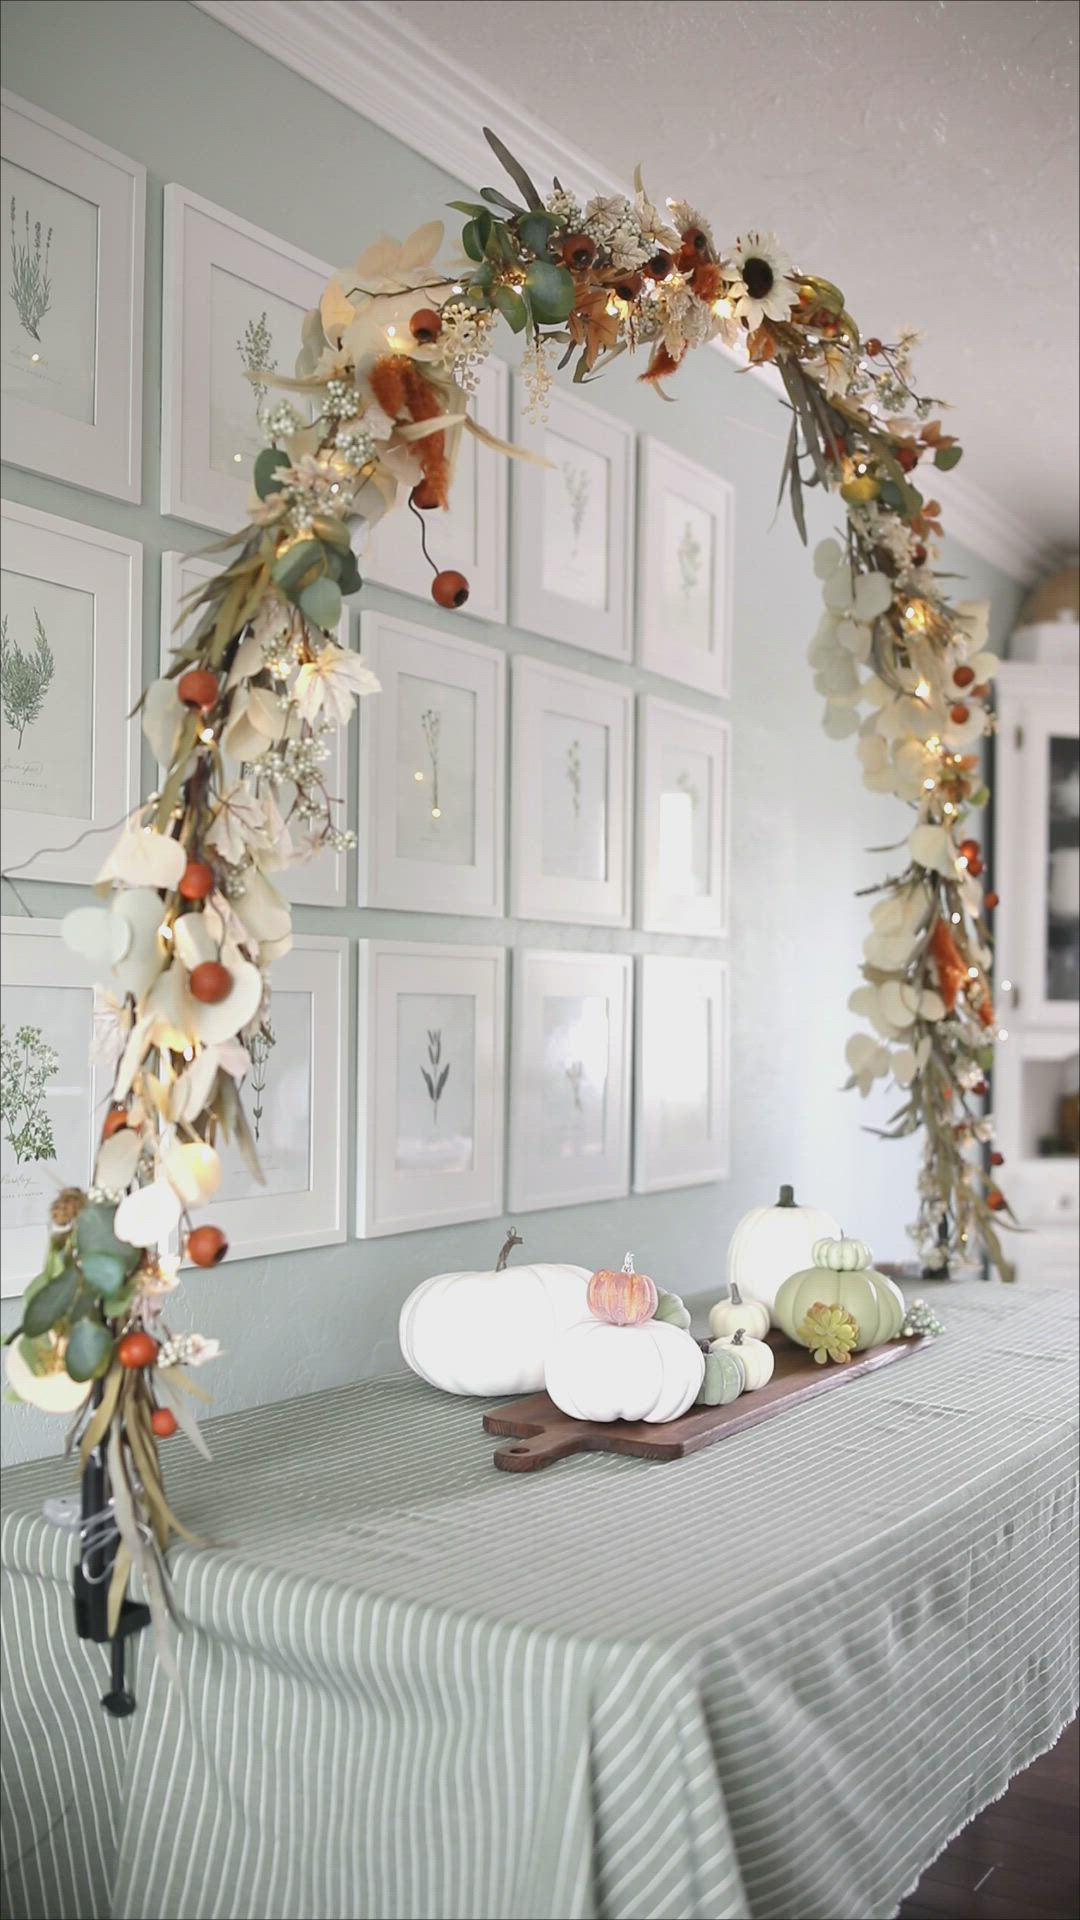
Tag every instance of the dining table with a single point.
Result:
(773, 1678)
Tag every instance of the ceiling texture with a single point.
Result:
(921, 153)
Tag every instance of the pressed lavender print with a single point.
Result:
(48, 313)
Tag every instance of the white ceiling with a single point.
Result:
(922, 155)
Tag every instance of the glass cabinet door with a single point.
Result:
(1062, 843)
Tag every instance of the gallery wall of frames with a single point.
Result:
(492, 781)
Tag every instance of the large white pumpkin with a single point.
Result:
(489, 1332)
(596, 1371)
(771, 1242)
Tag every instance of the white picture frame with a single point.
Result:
(686, 561)
(323, 881)
(424, 1010)
(571, 762)
(684, 819)
(432, 771)
(472, 534)
(55, 1102)
(71, 607)
(570, 1096)
(71, 339)
(682, 1124)
(296, 1100)
(571, 576)
(232, 295)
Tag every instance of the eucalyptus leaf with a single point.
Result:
(333, 533)
(551, 291)
(467, 206)
(471, 241)
(104, 1272)
(514, 168)
(290, 569)
(511, 306)
(89, 1350)
(534, 230)
(321, 602)
(496, 199)
(349, 579)
(267, 463)
(946, 458)
(94, 1234)
(51, 1304)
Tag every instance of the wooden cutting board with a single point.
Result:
(539, 1434)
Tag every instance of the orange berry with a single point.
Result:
(210, 982)
(198, 688)
(137, 1350)
(116, 1118)
(449, 589)
(164, 1422)
(196, 881)
(425, 325)
(206, 1246)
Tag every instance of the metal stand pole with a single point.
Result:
(93, 1570)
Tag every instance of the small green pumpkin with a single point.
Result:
(842, 1256)
(725, 1377)
(670, 1308)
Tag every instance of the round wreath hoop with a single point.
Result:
(193, 919)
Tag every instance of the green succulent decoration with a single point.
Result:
(25, 678)
(830, 1333)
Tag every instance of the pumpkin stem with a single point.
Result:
(787, 1197)
(512, 1240)
(734, 1295)
(628, 1264)
(737, 1337)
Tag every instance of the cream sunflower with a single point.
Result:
(766, 289)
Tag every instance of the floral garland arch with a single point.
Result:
(193, 919)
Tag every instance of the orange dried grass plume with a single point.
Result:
(404, 394)
(708, 282)
(661, 363)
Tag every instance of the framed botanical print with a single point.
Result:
(686, 549)
(296, 1100)
(471, 534)
(571, 574)
(71, 313)
(233, 303)
(70, 671)
(571, 773)
(681, 1101)
(432, 771)
(684, 812)
(430, 1119)
(52, 1026)
(320, 882)
(569, 1078)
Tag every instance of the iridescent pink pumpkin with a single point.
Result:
(623, 1299)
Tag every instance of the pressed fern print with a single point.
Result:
(31, 288)
(25, 678)
(27, 1064)
(435, 1075)
(256, 350)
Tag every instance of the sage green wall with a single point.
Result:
(173, 89)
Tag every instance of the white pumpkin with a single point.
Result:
(489, 1333)
(596, 1371)
(874, 1301)
(771, 1242)
(758, 1358)
(736, 1311)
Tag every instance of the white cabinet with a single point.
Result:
(1036, 874)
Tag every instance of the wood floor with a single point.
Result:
(1020, 1860)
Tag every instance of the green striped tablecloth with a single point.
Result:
(770, 1680)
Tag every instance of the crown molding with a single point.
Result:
(364, 54)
